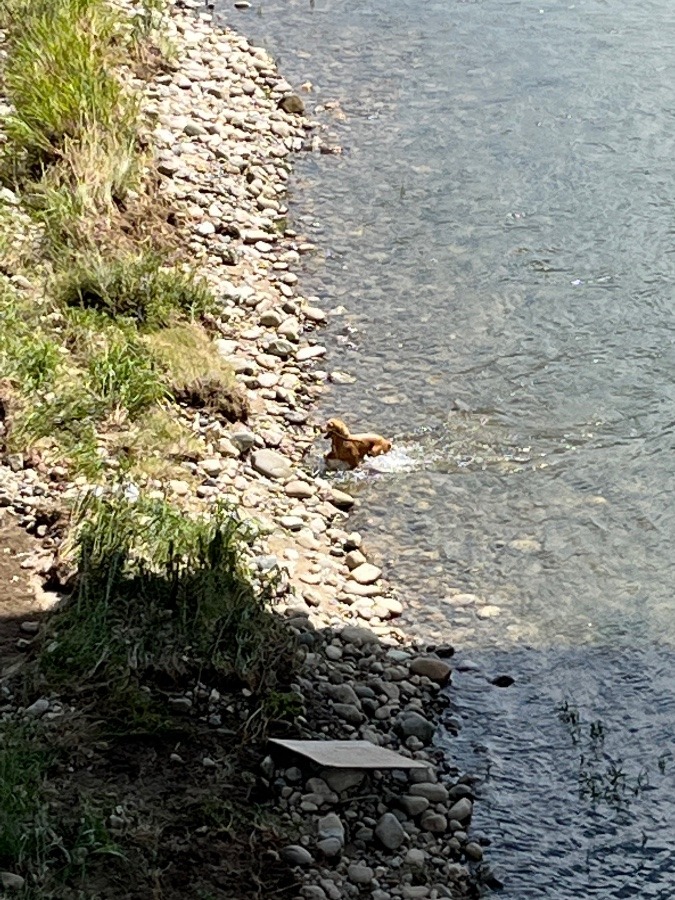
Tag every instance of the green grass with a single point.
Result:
(162, 596)
(149, 17)
(65, 94)
(67, 398)
(23, 770)
(28, 355)
(83, 377)
(124, 377)
(53, 849)
(137, 288)
(196, 373)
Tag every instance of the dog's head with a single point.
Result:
(338, 427)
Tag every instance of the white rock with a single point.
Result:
(314, 314)
(341, 499)
(299, 489)
(205, 228)
(366, 573)
(225, 347)
(270, 463)
(305, 353)
(211, 466)
(488, 612)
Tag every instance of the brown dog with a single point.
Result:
(352, 448)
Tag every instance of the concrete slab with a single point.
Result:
(350, 755)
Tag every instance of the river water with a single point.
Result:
(501, 229)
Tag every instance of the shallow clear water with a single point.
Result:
(501, 229)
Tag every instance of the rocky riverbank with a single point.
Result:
(223, 125)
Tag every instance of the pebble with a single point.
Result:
(412, 724)
(39, 708)
(366, 573)
(354, 634)
(342, 693)
(212, 466)
(341, 780)
(341, 499)
(330, 826)
(488, 612)
(413, 806)
(349, 712)
(309, 891)
(389, 831)
(296, 855)
(243, 440)
(433, 792)
(473, 851)
(299, 489)
(293, 523)
(306, 353)
(11, 882)
(461, 810)
(270, 463)
(179, 488)
(314, 314)
(354, 558)
(360, 874)
(431, 667)
(434, 822)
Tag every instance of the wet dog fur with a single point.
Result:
(351, 449)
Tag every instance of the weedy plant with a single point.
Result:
(123, 376)
(602, 778)
(27, 354)
(161, 596)
(65, 96)
(137, 288)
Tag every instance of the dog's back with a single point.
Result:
(352, 448)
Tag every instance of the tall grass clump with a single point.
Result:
(59, 79)
(161, 596)
(123, 377)
(137, 288)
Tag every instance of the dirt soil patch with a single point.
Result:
(18, 601)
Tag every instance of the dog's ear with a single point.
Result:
(336, 426)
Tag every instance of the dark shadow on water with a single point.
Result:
(574, 790)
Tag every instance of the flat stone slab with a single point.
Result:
(350, 755)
